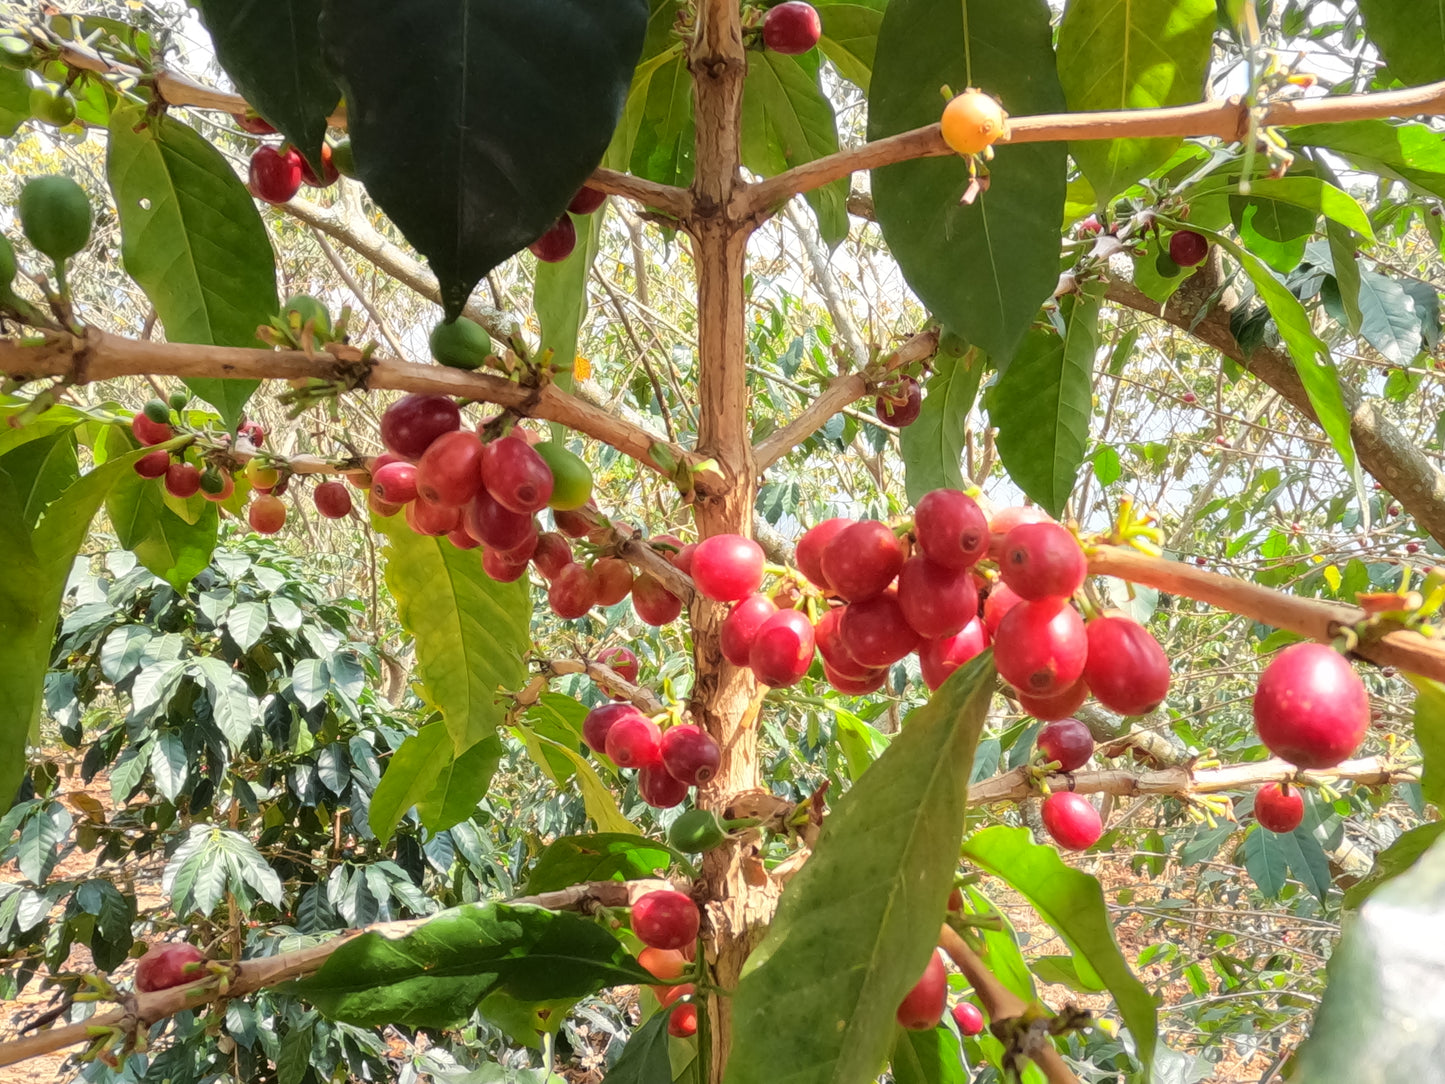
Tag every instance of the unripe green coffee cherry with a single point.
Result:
(55, 214)
(461, 343)
(571, 477)
(307, 308)
(179, 399)
(158, 411)
(696, 831)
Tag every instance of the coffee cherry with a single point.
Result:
(153, 465)
(599, 721)
(253, 123)
(524, 550)
(875, 632)
(432, 520)
(936, 600)
(449, 472)
(690, 754)
(614, 580)
(274, 175)
(166, 966)
(148, 432)
(939, 658)
(809, 552)
(655, 604)
(183, 480)
(901, 407)
(1279, 807)
(461, 540)
(410, 424)
(572, 592)
(1059, 706)
(862, 560)
(501, 568)
(740, 628)
(1189, 397)
(827, 637)
(261, 476)
(968, 1018)
(333, 500)
(1001, 599)
(253, 432)
(492, 525)
(571, 523)
(1126, 669)
(727, 567)
(665, 919)
(267, 514)
(1072, 820)
(1067, 741)
(620, 660)
(1040, 647)
(571, 476)
(557, 243)
(922, 1007)
(666, 995)
(461, 343)
(951, 528)
(158, 411)
(224, 485)
(659, 788)
(552, 555)
(1310, 707)
(516, 475)
(329, 173)
(635, 742)
(1187, 248)
(870, 682)
(792, 28)
(972, 121)
(394, 483)
(587, 200)
(783, 649)
(664, 964)
(1006, 519)
(379, 507)
(682, 1021)
(1042, 560)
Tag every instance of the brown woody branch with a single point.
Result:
(642, 699)
(257, 974)
(1227, 119)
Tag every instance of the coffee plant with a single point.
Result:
(673, 539)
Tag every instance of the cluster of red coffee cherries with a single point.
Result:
(668, 762)
(557, 243)
(276, 173)
(667, 923)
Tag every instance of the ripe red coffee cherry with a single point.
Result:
(148, 432)
(410, 424)
(655, 604)
(377, 506)
(552, 555)
(620, 660)
(461, 540)
(497, 565)
(1187, 248)
(183, 480)
(329, 173)
(1126, 670)
(1042, 560)
(1067, 741)
(827, 636)
(333, 500)
(571, 522)
(792, 28)
(809, 553)
(875, 632)
(666, 995)
(599, 721)
(492, 525)
(659, 788)
(432, 520)
(1072, 821)
(937, 601)
(152, 464)
(587, 200)
(968, 1018)
(395, 483)
(1001, 599)
(1310, 707)
(516, 475)
(274, 175)
(727, 567)
(635, 742)
(253, 123)
(690, 754)
(165, 966)
(939, 658)
(870, 682)
(682, 559)
(666, 920)
(572, 592)
(665, 964)
(267, 514)
(1279, 807)
(740, 628)
(614, 580)
(922, 1008)
(253, 432)
(682, 1021)
(862, 560)
(1040, 647)
(1059, 706)
(783, 649)
(449, 472)
(902, 406)
(557, 243)
(1006, 519)
(951, 528)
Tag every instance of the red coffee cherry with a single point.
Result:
(152, 464)
(1126, 669)
(809, 552)
(1310, 707)
(148, 432)
(951, 528)
(939, 658)
(783, 649)
(267, 514)
(665, 964)
(1279, 807)
(599, 721)
(516, 475)
(901, 407)
(665, 919)
(1042, 560)
(500, 528)
(862, 560)
(557, 243)
(449, 472)
(500, 567)
(682, 1021)
(587, 200)
(1041, 647)
(1006, 519)
(1072, 820)
(660, 789)
(1001, 599)
(870, 682)
(655, 604)
(410, 424)
(183, 480)
(395, 483)
(614, 580)
(936, 600)
(461, 540)
(1187, 248)
(572, 592)
(165, 966)
(1067, 741)
(634, 742)
(727, 567)
(552, 555)
(333, 500)
(571, 522)
(274, 175)
(740, 628)
(690, 754)
(968, 1018)
(433, 520)
(922, 1008)
(666, 995)
(620, 660)
(828, 638)
(875, 632)
(792, 28)
(1059, 706)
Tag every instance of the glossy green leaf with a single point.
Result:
(1140, 54)
(469, 183)
(471, 632)
(437, 974)
(193, 240)
(850, 36)
(1072, 903)
(1383, 1015)
(1429, 726)
(1042, 403)
(559, 296)
(645, 1058)
(1411, 152)
(461, 785)
(1271, 857)
(1410, 35)
(1389, 320)
(982, 269)
(271, 49)
(999, 948)
(574, 860)
(426, 772)
(1311, 195)
(855, 926)
(666, 131)
(1395, 860)
(934, 1056)
(933, 445)
(14, 102)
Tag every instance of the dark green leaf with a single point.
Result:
(1410, 35)
(850, 36)
(662, 149)
(933, 445)
(574, 860)
(1394, 860)
(1042, 403)
(247, 623)
(14, 102)
(437, 974)
(982, 269)
(934, 1056)
(1270, 857)
(169, 763)
(1139, 55)
(645, 1058)
(39, 847)
(192, 239)
(1291, 204)
(294, 1062)
(1412, 152)
(271, 49)
(461, 785)
(310, 682)
(855, 926)
(1388, 318)
(111, 939)
(1072, 903)
(467, 182)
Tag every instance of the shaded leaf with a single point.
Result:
(1410, 35)
(644, 1059)
(1429, 727)
(574, 860)
(934, 1056)
(1395, 860)
(933, 445)
(462, 784)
